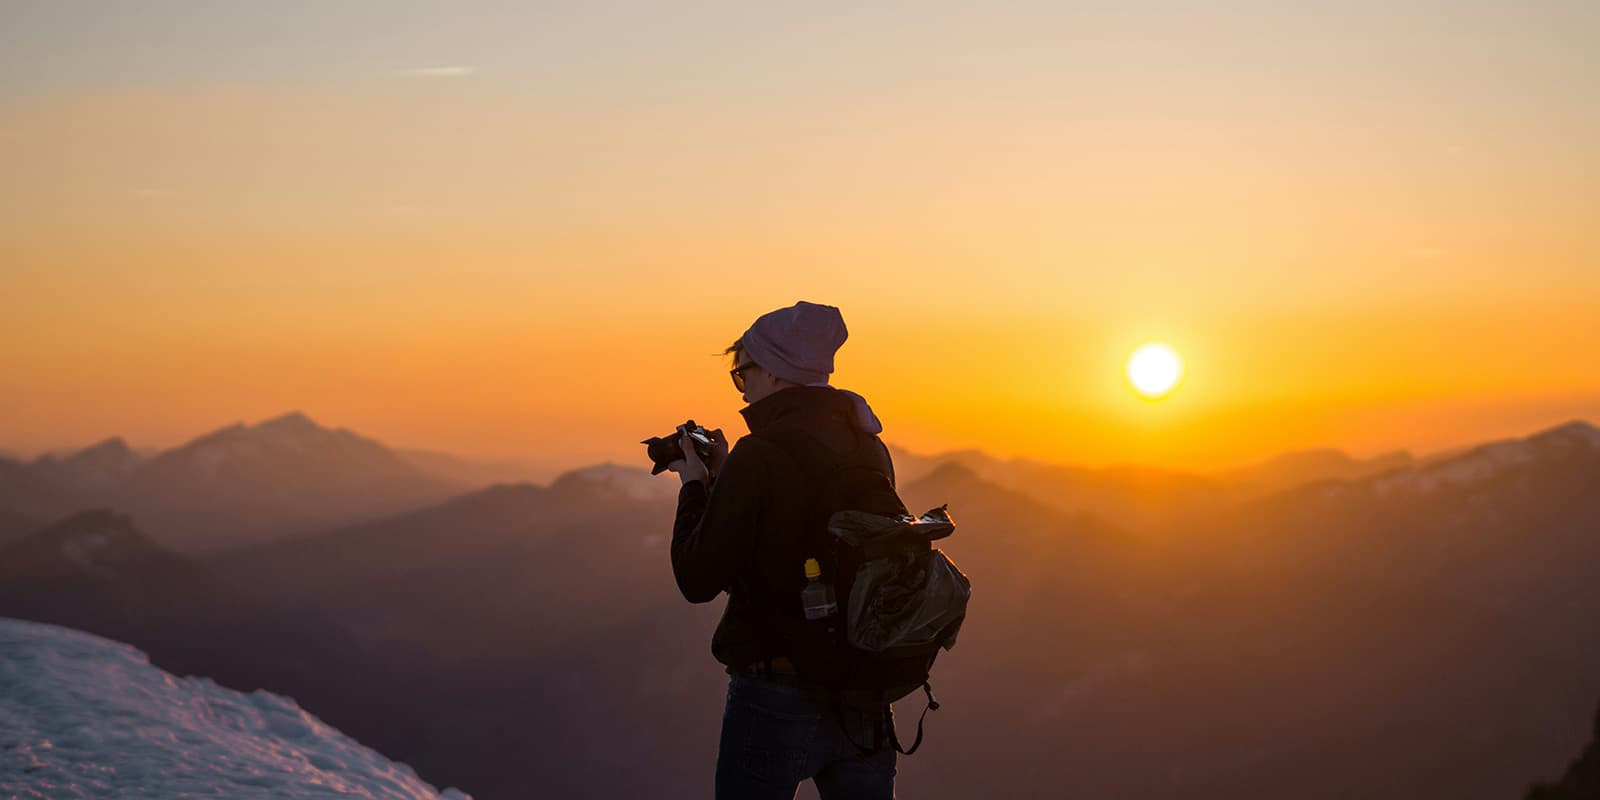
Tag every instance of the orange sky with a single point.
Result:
(1369, 230)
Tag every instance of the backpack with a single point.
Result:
(900, 600)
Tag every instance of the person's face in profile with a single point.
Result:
(751, 380)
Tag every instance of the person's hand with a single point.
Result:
(690, 467)
(719, 451)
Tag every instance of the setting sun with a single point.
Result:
(1154, 370)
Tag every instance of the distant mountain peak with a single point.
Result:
(95, 518)
(99, 542)
(95, 467)
(292, 426)
(114, 444)
(633, 482)
(226, 430)
(94, 529)
(1486, 460)
(292, 421)
(953, 471)
(113, 448)
(1577, 430)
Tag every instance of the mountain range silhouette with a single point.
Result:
(1387, 628)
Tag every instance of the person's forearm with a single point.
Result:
(688, 551)
(691, 507)
(713, 537)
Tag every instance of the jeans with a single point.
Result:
(777, 733)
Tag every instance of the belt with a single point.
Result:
(778, 664)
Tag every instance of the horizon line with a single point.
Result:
(559, 469)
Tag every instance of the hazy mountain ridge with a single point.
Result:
(483, 546)
(1232, 651)
(232, 486)
(1308, 466)
(508, 567)
(471, 472)
(634, 482)
(288, 476)
(241, 484)
(15, 526)
(96, 571)
(27, 495)
(502, 606)
(487, 518)
(1452, 595)
(99, 544)
(1138, 497)
(286, 473)
(97, 466)
(1573, 439)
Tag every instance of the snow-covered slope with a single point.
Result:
(82, 716)
(1573, 440)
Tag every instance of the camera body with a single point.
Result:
(664, 450)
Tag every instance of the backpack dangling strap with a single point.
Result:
(933, 705)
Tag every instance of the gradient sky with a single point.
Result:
(528, 233)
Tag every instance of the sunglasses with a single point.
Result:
(737, 373)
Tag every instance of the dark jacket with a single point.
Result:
(745, 537)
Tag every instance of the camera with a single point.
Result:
(664, 450)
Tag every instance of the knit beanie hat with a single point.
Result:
(797, 343)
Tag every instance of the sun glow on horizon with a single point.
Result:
(1154, 370)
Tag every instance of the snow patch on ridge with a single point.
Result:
(635, 483)
(1489, 460)
(82, 716)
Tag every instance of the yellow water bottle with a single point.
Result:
(817, 597)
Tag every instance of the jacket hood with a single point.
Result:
(864, 418)
(810, 402)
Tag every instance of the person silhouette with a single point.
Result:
(738, 530)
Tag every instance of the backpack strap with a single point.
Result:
(933, 705)
(886, 721)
